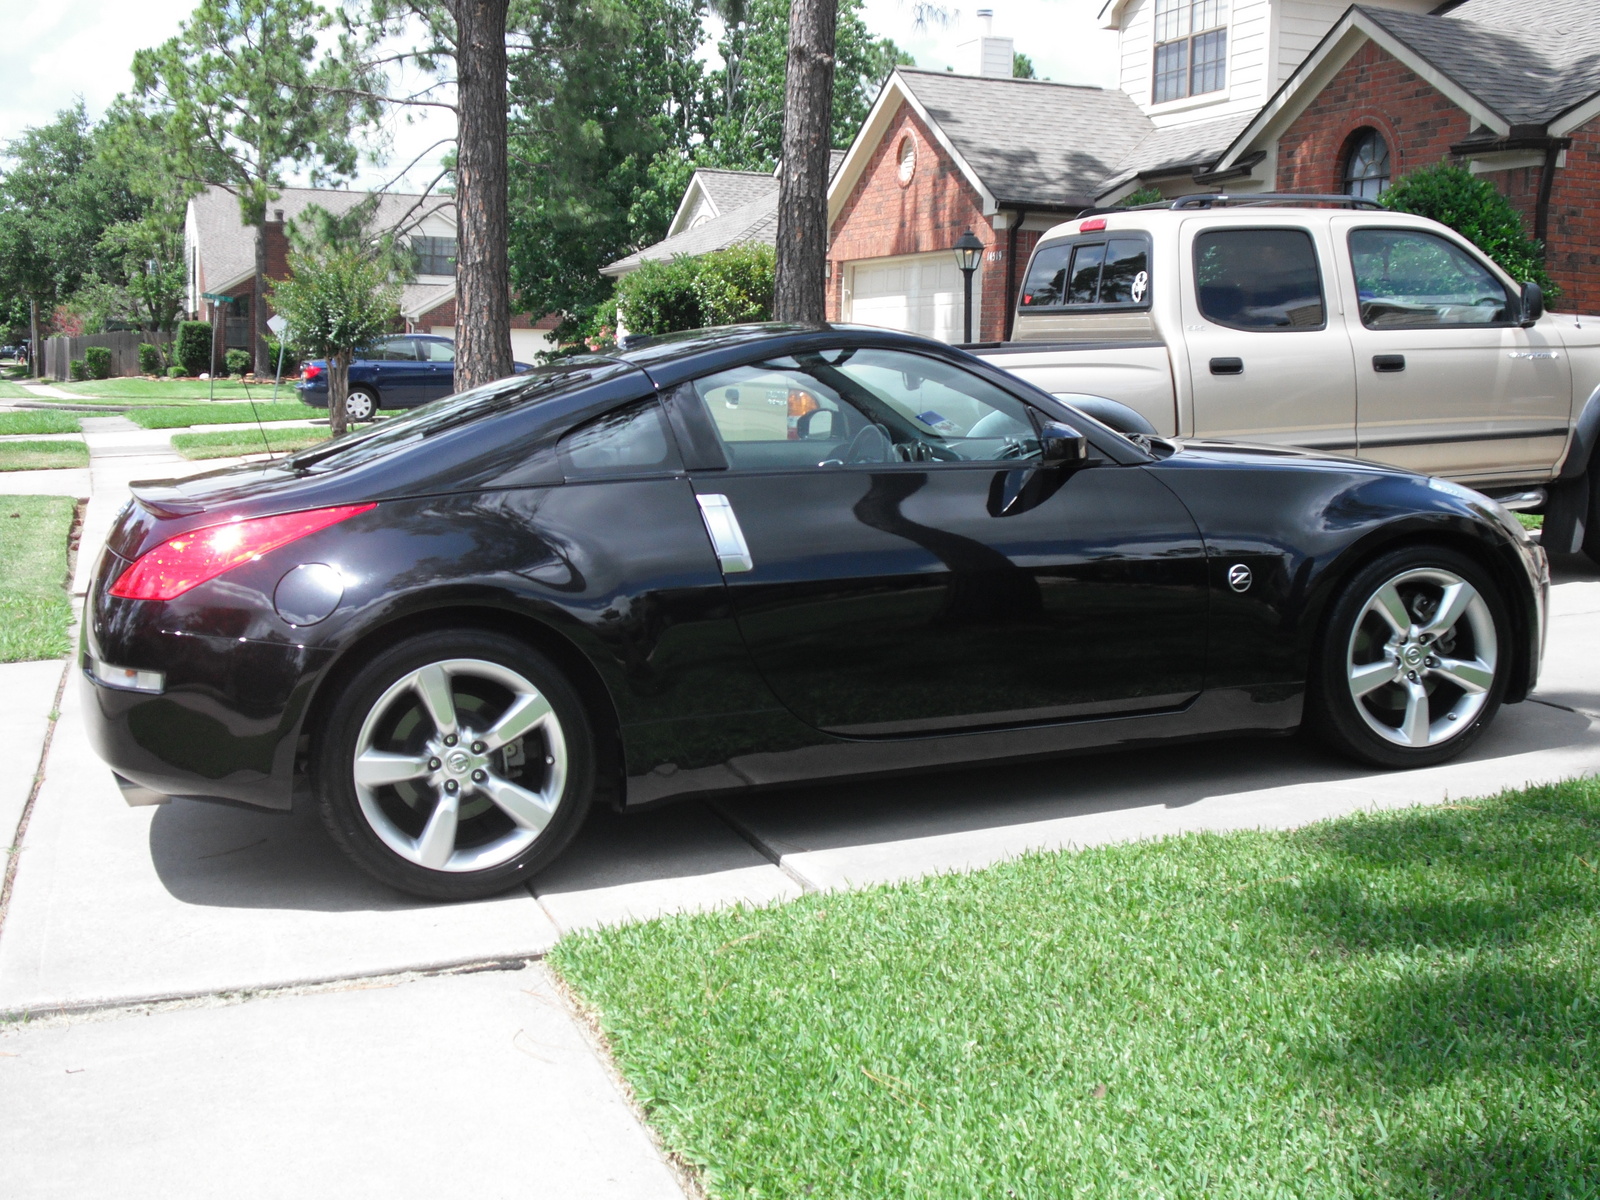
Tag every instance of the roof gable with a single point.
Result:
(1017, 141)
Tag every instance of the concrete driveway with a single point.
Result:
(191, 953)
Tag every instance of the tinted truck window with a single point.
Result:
(1101, 271)
(1259, 279)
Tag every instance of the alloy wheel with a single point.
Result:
(460, 765)
(1422, 658)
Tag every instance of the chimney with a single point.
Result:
(277, 215)
(986, 54)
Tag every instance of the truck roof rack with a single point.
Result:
(1241, 200)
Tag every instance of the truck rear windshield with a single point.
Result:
(1103, 272)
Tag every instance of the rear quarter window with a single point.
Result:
(1263, 280)
(1104, 271)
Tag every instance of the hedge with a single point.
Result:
(149, 359)
(194, 347)
(727, 287)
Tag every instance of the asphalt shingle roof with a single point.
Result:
(1032, 141)
(228, 246)
(1528, 60)
(729, 190)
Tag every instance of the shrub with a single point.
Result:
(291, 355)
(174, 372)
(1145, 195)
(194, 347)
(660, 297)
(735, 285)
(79, 370)
(1474, 209)
(149, 359)
(237, 361)
(97, 359)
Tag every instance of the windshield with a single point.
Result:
(540, 384)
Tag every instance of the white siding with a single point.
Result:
(1302, 24)
(1267, 40)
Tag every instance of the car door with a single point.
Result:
(1266, 361)
(900, 562)
(399, 376)
(439, 356)
(1447, 380)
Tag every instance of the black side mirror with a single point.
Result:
(1062, 445)
(1532, 303)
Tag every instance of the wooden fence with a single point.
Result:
(59, 352)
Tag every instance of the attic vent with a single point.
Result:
(907, 159)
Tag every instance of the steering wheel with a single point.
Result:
(870, 445)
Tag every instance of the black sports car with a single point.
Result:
(764, 554)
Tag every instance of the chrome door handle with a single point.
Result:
(727, 539)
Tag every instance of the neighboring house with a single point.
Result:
(719, 209)
(219, 250)
(1256, 95)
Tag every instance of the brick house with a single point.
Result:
(1508, 89)
(219, 252)
(1256, 95)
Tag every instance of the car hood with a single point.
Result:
(1261, 454)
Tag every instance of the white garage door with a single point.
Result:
(919, 295)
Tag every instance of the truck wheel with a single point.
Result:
(1591, 529)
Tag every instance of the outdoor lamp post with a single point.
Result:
(968, 251)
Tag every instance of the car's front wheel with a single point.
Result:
(455, 765)
(1413, 661)
(360, 404)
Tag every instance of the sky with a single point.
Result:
(54, 51)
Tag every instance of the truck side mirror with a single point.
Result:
(1062, 445)
(1532, 303)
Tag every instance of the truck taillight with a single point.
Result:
(184, 562)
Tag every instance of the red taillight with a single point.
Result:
(310, 371)
(1093, 225)
(190, 559)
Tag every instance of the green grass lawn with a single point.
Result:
(223, 414)
(174, 391)
(38, 420)
(1530, 520)
(1400, 1005)
(227, 444)
(15, 391)
(42, 456)
(34, 609)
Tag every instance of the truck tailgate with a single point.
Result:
(1138, 375)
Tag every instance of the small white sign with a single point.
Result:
(277, 324)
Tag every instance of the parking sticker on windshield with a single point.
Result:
(936, 422)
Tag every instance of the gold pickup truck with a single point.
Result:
(1321, 322)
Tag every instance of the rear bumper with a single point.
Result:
(316, 397)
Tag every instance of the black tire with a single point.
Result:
(360, 404)
(1359, 644)
(387, 826)
(1591, 529)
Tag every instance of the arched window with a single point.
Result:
(1366, 167)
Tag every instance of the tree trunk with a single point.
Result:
(803, 189)
(483, 277)
(35, 355)
(338, 389)
(258, 305)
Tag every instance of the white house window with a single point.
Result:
(1191, 48)
(435, 255)
(1366, 168)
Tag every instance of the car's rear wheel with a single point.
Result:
(360, 404)
(455, 765)
(1414, 660)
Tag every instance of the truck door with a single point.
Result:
(1268, 361)
(1447, 380)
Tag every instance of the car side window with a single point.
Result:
(444, 352)
(1262, 280)
(393, 350)
(853, 406)
(1411, 279)
(631, 440)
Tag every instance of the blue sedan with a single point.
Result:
(403, 371)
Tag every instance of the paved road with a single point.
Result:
(115, 908)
